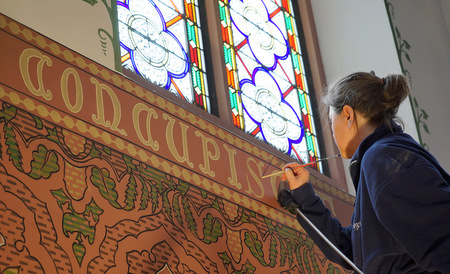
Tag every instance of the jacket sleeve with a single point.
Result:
(314, 209)
(414, 205)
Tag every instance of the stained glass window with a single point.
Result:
(269, 94)
(161, 41)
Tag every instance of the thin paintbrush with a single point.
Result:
(302, 165)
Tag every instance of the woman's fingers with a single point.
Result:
(295, 174)
(288, 174)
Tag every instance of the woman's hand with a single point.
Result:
(297, 176)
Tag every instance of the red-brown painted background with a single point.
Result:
(101, 175)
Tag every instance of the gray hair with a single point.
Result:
(376, 99)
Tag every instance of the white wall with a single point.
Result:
(72, 23)
(425, 25)
(355, 36)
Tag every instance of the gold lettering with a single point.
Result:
(24, 64)
(273, 184)
(256, 176)
(100, 117)
(231, 158)
(76, 107)
(171, 142)
(207, 154)
(138, 108)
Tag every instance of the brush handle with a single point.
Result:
(303, 165)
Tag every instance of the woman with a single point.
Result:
(401, 221)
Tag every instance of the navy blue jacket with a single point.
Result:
(401, 221)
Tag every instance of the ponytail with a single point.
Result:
(377, 99)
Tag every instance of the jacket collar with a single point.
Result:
(379, 133)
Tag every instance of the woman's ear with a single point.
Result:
(349, 114)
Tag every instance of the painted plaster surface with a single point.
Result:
(100, 175)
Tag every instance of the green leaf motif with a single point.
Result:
(52, 135)
(204, 194)
(60, 196)
(225, 258)
(421, 116)
(38, 121)
(82, 224)
(269, 225)
(155, 197)
(177, 209)
(150, 174)
(79, 250)
(248, 268)
(425, 127)
(255, 246)
(273, 252)
(8, 112)
(305, 260)
(333, 270)
(91, 2)
(292, 250)
(183, 187)
(167, 207)
(192, 225)
(92, 212)
(129, 163)
(309, 242)
(44, 163)
(212, 229)
(407, 45)
(145, 197)
(94, 153)
(159, 187)
(245, 218)
(407, 57)
(12, 147)
(11, 270)
(130, 193)
(74, 222)
(106, 186)
(282, 253)
(148, 194)
(215, 204)
(107, 150)
(397, 32)
(424, 114)
(170, 183)
(312, 257)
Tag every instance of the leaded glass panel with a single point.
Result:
(268, 90)
(161, 41)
